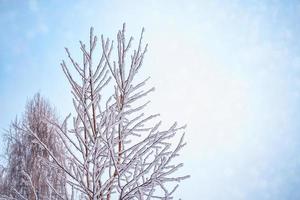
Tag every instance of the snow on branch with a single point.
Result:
(115, 151)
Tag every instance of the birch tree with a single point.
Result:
(114, 150)
(30, 173)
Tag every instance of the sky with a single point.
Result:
(230, 70)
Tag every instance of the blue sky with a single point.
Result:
(229, 69)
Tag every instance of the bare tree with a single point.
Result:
(114, 150)
(30, 168)
(13, 183)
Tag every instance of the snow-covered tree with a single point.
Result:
(29, 174)
(14, 183)
(114, 150)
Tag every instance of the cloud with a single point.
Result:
(33, 5)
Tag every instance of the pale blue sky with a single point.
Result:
(229, 69)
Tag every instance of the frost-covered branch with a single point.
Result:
(114, 150)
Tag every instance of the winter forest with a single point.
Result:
(149, 99)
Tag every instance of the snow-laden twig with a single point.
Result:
(114, 149)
